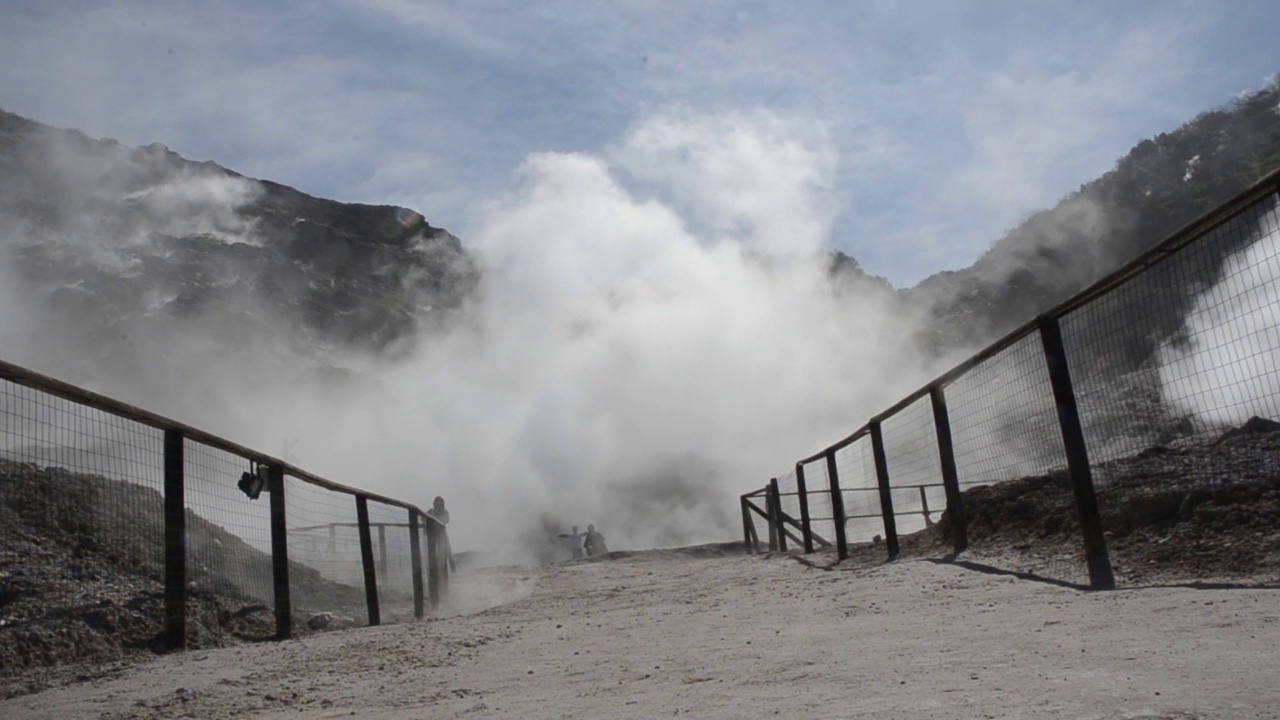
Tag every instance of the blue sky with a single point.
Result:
(945, 122)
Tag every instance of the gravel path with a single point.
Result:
(666, 634)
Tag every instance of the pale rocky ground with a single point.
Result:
(665, 634)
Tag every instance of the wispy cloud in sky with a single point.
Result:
(940, 124)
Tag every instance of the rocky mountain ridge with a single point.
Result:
(125, 244)
(1161, 185)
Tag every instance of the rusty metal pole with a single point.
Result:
(433, 561)
(415, 558)
(777, 538)
(366, 559)
(175, 541)
(805, 526)
(886, 496)
(950, 478)
(837, 507)
(1101, 575)
(280, 553)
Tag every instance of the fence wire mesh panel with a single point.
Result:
(821, 515)
(915, 476)
(228, 534)
(1012, 466)
(1185, 348)
(1132, 432)
(759, 524)
(123, 532)
(1004, 424)
(789, 500)
(389, 530)
(1171, 369)
(326, 574)
(856, 472)
(81, 529)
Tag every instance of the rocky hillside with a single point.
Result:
(82, 577)
(126, 243)
(1162, 184)
(1196, 511)
(122, 245)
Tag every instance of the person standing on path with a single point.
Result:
(594, 543)
(441, 515)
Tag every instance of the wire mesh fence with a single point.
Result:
(1202, 360)
(1011, 465)
(228, 537)
(81, 523)
(1004, 423)
(323, 532)
(821, 512)
(859, 491)
(123, 531)
(324, 536)
(789, 495)
(914, 469)
(756, 524)
(389, 531)
(1143, 410)
(1155, 406)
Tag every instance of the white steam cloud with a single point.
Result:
(200, 204)
(759, 179)
(1225, 367)
(630, 361)
(165, 195)
(656, 330)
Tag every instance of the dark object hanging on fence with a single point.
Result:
(251, 484)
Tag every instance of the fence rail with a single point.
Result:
(133, 505)
(1172, 347)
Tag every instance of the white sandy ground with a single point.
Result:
(744, 637)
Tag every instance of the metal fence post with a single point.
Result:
(886, 497)
(837, 506)
(768, 518)
(805, 526)
(446, 560)
(433, 561)
(750, 507)
(382, 553)
(1101, 575)
(950, 478)
(366, 559)
(770, 512)
(777, 514)
(415, 558)
(280, 553)
(175, 541)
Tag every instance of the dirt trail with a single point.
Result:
(729, 637)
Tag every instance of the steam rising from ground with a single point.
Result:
(621, 367)
(655, 328)
(1224, 368)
